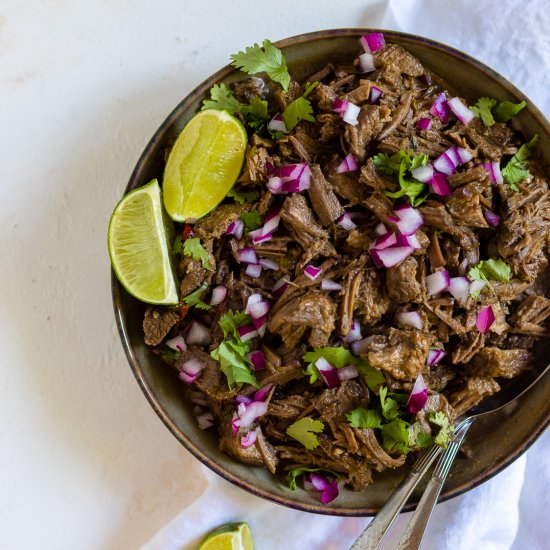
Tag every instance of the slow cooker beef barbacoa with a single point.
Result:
(371, 276)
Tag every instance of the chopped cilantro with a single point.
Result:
(389, 406)
(418, 438)
(299, 470)
(230, 321)
(270, 60)
(373, 377)
(297, 110)
(193, 248)
(195, 298)
(177, 247)
(363, 418)
(222, 98)
(395, 436)
(490, 270)
(256, 109)
(386, 164)
(251, 220)
(168, 354)
(446, 429)
(490, 110)
(242, 196)
(304, 431)
(516, 170)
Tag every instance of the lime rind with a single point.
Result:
(139, 246)
(231, 536)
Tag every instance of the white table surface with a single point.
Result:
(84, 461)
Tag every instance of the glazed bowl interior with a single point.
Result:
(495, 440)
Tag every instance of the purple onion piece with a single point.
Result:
(177, 343)
(424, 123)
(372, 42)
(267, 263)
(492, 218)
(258, 309)
(280, 286)
(349, 164)
(440, 108)
(205, 420)
(459, 287)
(375, 94)
(339, 105)
(277, 124)
(485, 319)
(435, 356)
(329, 284)
(409, 219)
(247, 332)
(410, 319)
(419, 396)
(345, 222)
(347, 373)
(328, 372)
(423, 174)
(392, 256)
(257, 359)
(351, 113)
(312, 272)
(437, 282)
(247, 255)
(198, 334)
(440, 186)
(460, 110)
(249, 439)
(253, 299)
(253, 271)
(366, 63)
(263, 392)
(219, 294)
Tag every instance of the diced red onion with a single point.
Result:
(339, 105)
(327, 487)
(260, 323)
(351, 113)
(191, 370)
(269, 169)
(494, 171)
(329, 284)
(460, 110)
(347, 373)
(276, 185)
(198, 334)
(409, 219)
(464, 155)
(198, 398)
(289, 172)
(257, 359)
(259, 309)
(407, 240)
(345, 222)
(277, 124)
(269, 264)
(477, 286)
(410, 319)
(253, 299)
(423, 173)
(360, 347)
(329, 373)
(485, 318)
(440, 186)
(280, 286)
(177, 343)
(312, 272)
(218, 295)
(366, 63)
(257, 239)
(243, 399)
(247, 332)
(236, 229)
(419, 396)
(380, 229)
(187, 378)
(205, 420)
(385, 241)
(249, 439)
(440, 108)
(492, 218)
(246, 415)
(263, 392)
(435, 356)
(424, 123)
(349, 164)
(354, 335)
(271, 222)
(459, 287)
(437, 282)
(445, 164)
(390, 257)
(372, 42)
(375, 94)
(253, 271)
(247, 255)
(301, 183)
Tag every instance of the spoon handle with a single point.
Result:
(412, 537)
(371, 537)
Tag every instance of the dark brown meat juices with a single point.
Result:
(456, 298)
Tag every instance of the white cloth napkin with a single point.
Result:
(512, 38)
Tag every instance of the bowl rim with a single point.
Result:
(117, 289)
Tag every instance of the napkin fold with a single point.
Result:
(512, 38)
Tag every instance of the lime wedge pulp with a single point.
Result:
(139, 238)
(203, 165)
(232, 536)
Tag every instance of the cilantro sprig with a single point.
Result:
(263, 59)
(242, 197)
(304, 431)
(490, 110)
(195, 298)
(517, 169)
(194, 249)
(294, 473)
(251, 220)
(490, 270)
(299, 109)
(403, 163)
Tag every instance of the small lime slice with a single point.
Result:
(232, 536)
(203, 165)
(138, 238)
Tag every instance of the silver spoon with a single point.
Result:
(371, 537)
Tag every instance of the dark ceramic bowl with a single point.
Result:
(496, 440)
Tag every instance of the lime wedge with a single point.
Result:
(138, 238)
(203, 165)
(232, 536)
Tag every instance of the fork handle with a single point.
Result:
(412, 537)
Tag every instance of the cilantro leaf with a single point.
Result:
(256, 109)
(516, 170)
(230, 321)
(505, 110)
(177, 247)
(195, 298)
(270, 60)
(313, 372)
(304, 431)
(386, 164)
(242, 196)
(251, 220)
(169, 355)
(221, 97)
(490, 270)
(193, 248)
(419, 161)
(363, 418)
(395, 436)
(482, 109)
(418, 438)
(297, 110)
(446, 429)
(299, 470)
(389, 406)
(233, 362)
(373, 377)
